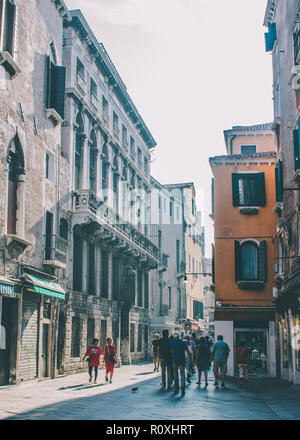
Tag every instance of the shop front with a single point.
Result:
(8, 330)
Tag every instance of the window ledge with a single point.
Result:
(296, 178)
(55, 264)
(51, 113)
(9, 64)
(13, 237)
(251, 285)
(249, 210)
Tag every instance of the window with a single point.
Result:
(56, 84)
(140, 288)
(105, 114)
(139, 156)
(49, 167)
(171, 208)
(132, 146)
(296, 40)
(77, 263)
(146, 165)
(178, 255)
(193, 207)
(116, 192)
(198, 310)
(165, 204)
(63, 229)
(16, 170)
(93, 93)
(159, 239)
(91, 269)
(170, 298)
(79, 141)
(8, 27)
(177, 213)
(80, 74)
(251, 261)
(248, 189)
(124, 137)
(75, 340)
(90, 331)
(132, 337)
(93, 157)
(279, 181)
(271, 37)
(140, 337)
(103, 332)
(48, 235)
(104, 274)
(296, 135)
(116, 129)
(159, 201)
(115, 277)
(248, 149)
(146, 291)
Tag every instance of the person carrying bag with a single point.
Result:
(110, 359)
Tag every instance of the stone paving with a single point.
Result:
(73, 398)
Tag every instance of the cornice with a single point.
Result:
(270, 12)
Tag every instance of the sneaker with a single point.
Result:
(106, 379)
(206, 384)
(95, 381)
(90, 379)
(163, 386)
(110, 381)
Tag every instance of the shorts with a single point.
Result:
(221, 365)
(243, 369)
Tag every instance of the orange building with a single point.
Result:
(244, 249)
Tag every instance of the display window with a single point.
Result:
(296, 340)
(257, 342)
(285, 343)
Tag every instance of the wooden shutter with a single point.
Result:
(235, 189)
(59, 85)
(262, 261)
(260, 189)
(279, 182)
(237, 258)
(48, 82)
(9, 27)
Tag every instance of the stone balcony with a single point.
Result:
(89, 209)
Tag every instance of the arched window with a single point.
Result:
(79, 139)
(93, 153)
(15, 160)
(249, 261)
(116, 185)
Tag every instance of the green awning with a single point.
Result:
(46, 287)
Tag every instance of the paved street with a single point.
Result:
(72, 398)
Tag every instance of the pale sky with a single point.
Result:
(193, 69)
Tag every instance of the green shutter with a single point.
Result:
(279, 182)
(262, 261)
(237, 258)
(260, 189)
(235, 189)
(59, 90)
(296, 149)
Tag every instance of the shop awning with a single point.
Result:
(7, 286)
(46, 287)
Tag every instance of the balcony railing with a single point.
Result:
(56, 252)
(86, 200)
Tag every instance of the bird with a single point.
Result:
(134, 389)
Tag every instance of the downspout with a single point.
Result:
(231, 141)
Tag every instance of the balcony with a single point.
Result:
(89, 208)
(181, 270)
(163, 262)
(56, 253)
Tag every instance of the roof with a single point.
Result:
(108, 69)
(242, 157)
(179, 185)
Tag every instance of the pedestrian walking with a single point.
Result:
(220, 353)
(243, 360)
(203, 356)
(93, 353)
(188, 359)
(154, 351)
(110, 359)
(179, 348)
(194, 343)
(165, 357)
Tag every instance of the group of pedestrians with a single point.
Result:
(181, 357)
(93, 354)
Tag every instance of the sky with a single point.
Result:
(193, 68)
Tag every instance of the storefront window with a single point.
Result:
(256, 341)
(285, 343)
(296, 340)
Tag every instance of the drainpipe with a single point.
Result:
(231, 142)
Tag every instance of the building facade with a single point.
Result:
(166, 285)
(282, 41)
(31, 110)
(244, 245)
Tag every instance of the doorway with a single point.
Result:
(257, 342)
(45, 348)
(5, 341)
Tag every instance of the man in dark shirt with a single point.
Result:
(154, 351)
(179, 349)
(165, 358)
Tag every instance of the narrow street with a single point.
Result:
(72, 398)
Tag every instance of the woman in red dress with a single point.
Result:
(110, 358)
(93, 353)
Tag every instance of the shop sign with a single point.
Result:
(7, 290)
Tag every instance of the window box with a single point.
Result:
(249, 210)
(251, 285)
(9, 64)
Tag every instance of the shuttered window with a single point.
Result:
(251, 261)
(146, 291)
(104, 274)
(7, 25)
(279, 181)
(296, 134)
(56, 84)
(198, 310)
(248, 189)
